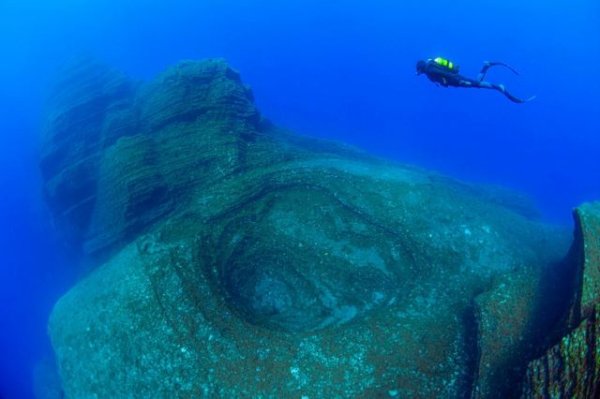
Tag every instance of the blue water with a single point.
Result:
(340, 69)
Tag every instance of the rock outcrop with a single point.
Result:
(85, 102)
(245, 261)
(571, 368)
(118, 156)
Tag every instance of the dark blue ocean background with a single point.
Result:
(343, 70)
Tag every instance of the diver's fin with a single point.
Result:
(494, 63)
(502, 89)
(517, 99)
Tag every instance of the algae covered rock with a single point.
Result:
(588, 240)
(571, 368)
(78, 129)
(246, 261)
(118, 154)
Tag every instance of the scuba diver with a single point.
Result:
(445, 73)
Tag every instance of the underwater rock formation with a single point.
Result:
(242, 260)
(571, 368)
(88, 97)
(46, 381)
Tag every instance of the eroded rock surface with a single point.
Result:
(571, 368)
(246, 261)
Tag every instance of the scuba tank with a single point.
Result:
(445, 63)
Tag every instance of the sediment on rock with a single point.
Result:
(242, 260)
(571, 368)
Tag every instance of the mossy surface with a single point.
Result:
(571, 368)
(588, 216)
(245, 261)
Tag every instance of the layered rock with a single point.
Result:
(79, 126)
(251, 262)
(117, 155)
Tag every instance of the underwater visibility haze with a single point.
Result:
(229, 180)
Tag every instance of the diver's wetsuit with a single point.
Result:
(446, 77)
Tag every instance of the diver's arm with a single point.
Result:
(439, 80)
(442, 76)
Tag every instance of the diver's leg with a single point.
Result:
(467, 82)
